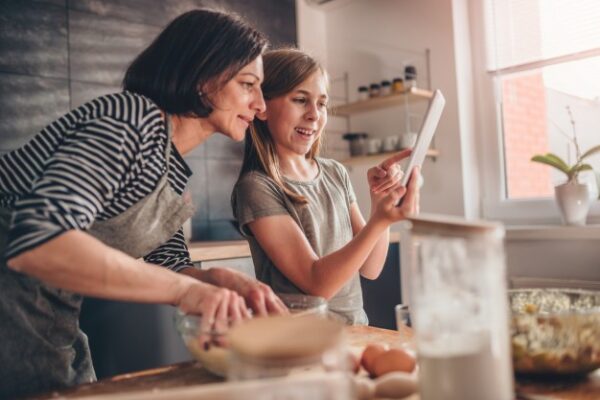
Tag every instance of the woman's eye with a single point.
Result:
(323, 105)
(300, 100)
(248, 85)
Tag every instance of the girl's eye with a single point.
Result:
(248, 85)
(300, 100)
(323, 105)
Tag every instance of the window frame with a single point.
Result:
(490, 146)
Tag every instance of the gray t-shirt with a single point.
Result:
(325, 221)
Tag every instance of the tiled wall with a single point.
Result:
(57, 54)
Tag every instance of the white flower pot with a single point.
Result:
(574, 202)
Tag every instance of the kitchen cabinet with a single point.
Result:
(381, 295)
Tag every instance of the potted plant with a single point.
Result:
(573, 197)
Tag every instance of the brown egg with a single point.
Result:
(393, 360)
(369, 355)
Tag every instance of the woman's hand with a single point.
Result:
(387, 208)
(387, 174)
(258, 296)
(219, 308)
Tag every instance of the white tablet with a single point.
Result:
(430, 123)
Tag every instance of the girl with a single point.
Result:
(299, 212)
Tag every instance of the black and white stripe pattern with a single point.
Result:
(91, 164)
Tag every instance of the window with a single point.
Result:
(542, 66)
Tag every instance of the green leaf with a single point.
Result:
(576, 169)
(558, 160)
(553, 161)
(591, 151)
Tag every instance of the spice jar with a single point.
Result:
(374, 90)
(398, 85)
(358, 143)
(386, 88)
(363, 93)
(410, 77)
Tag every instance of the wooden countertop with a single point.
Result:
(191, 373)
(208, 251)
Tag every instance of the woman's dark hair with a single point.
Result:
(199, 50)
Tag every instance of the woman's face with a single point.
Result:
(238, 102)
(296, 119)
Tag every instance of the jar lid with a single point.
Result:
(374, 86)
(410, 69)
(363, 89)
(398, 80)
(385, 83)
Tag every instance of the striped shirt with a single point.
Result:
(91, 164)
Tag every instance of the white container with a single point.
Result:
(459, 308)
(390, 143)
(574, 202)
(374, 146)
(408, 140)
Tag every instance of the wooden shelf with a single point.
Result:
(377, 158)
(375, 103)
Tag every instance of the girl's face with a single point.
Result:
(296, 119)
(238, 102)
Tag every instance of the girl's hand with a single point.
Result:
(387, 174)
(386, 206)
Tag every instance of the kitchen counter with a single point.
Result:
(191, 373)
(208, 251)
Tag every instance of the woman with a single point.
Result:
(103, 186)
(299, 211)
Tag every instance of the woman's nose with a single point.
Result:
(258, 104)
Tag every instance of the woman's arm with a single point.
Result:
(291, 252)
(78, 262)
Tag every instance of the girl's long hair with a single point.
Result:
(284, 69)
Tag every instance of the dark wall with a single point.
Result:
(57, 54)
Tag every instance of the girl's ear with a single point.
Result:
(262, 115)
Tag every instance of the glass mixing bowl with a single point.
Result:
(555, 331)
(216, 358)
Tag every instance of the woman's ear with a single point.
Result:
(262, 115)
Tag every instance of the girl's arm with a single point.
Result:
(373, 265)
(285, 244)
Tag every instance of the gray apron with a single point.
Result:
(41, 345)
